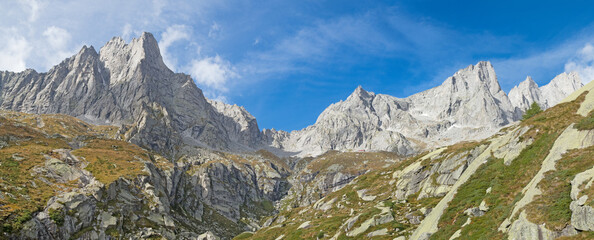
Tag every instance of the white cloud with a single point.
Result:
(57, 37)
(172, 34)
(127, 32)
(158, 6)
(14, 51)
(212, 74)
(583, 63)
(58, 45)
(33, 7)
(214, 31)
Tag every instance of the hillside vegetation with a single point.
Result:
(533, 177)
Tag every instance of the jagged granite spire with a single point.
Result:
(526, 93)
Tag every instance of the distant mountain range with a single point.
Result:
(128, 85)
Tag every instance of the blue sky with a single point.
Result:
(286, 61)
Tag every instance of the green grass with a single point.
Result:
(586, 123)
(552, 206)
(245, 235)
(57, 215)
(506, 182)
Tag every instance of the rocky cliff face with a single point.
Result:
(469, 105)
(528, 92)
(129, 85)
(66, 179)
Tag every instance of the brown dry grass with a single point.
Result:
(353, 162)
(558, 117)
(112, 159)
(24, 192)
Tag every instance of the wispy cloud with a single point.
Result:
(15, 50)
(33, 7)
(387, 34)
(214, 31)
(583, 63)
(171, 35)
(213, 75)
(59, 47)
(572, 54)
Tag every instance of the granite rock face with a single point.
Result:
(129, 85)
(83, 184)
(527, 92)
(469, 105)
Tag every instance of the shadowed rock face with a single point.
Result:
(128, 84)
(74, 181)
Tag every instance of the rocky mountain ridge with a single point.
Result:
(470, 105)
(528, 92)
(128, 85)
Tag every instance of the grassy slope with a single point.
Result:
(326, 223)
(507, 182)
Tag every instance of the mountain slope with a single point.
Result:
(532, 180)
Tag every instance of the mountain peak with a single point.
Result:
(359, 90)
(484, 64)
(529, 82)
(148, 45)
(86, 51)
(481, 75)
(361, 94)
(571, 79)
(116, 53)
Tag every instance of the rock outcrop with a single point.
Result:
(82, 184)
